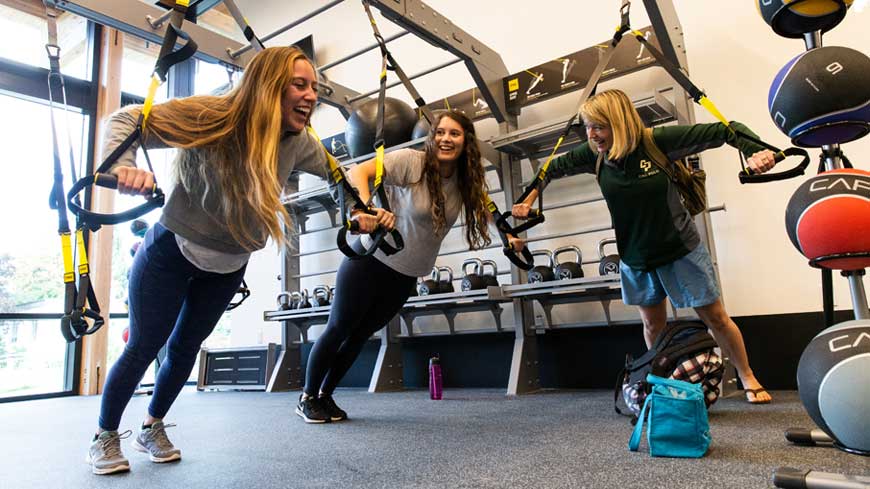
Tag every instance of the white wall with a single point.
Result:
(732, 54)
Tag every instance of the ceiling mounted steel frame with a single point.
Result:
(484, 64)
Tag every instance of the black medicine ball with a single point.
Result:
(399, 120)
(794, 18)
(822, 97)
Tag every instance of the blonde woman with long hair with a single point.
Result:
(661, 253)
(235, 153)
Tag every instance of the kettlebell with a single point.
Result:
(492, 278)
(430, 285)
(609, 264)
(320, 296)
(541, 273)
(295, 300)
(283, 301)
(445, 286)
(568, 270)
(473, 280)
(305, 300)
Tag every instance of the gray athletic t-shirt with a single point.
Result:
(409, 199)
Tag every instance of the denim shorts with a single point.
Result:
(689, 281)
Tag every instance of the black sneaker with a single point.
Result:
(335, 413)
(311, 411)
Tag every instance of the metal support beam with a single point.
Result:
(132, 18)
(287, 27)
(388, 374)
(524, 376)
(485, 65)
(411, 77)
(362, 51)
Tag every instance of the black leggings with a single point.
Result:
(367, 295)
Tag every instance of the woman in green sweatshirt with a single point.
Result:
(660, 250)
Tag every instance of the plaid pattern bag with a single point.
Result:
(703, 368)
(684, 351)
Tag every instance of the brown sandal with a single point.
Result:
(755, 392)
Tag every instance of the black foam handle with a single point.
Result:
(747, 176)
(523, 260)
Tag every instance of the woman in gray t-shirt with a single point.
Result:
(427, 190)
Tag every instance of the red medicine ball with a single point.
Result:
(830, 214)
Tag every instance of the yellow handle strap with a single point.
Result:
(66, 247)
(82, 252)
(379, 165)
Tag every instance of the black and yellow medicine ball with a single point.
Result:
(794, 18)
(399, 120)
(822, 97)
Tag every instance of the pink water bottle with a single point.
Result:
(435, 378)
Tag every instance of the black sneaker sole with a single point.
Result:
(310, 420)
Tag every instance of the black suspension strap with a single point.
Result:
(523, 259)
(392, 65)
(73, 324)
(167, 58)
(244, 26)
(345, 189)
(536, 216)
(80, 301)
(746, 175)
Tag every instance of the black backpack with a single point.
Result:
(679, 344)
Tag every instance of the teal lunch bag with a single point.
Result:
(676, 418)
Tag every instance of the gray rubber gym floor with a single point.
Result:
(472, 438)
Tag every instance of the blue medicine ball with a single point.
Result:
(822, 97)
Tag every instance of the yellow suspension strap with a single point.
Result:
(73, 323)
(344, 189)
(536, 216)
(746, 175)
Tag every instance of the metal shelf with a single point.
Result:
(539, 140)
(548, 294)
(452, 303)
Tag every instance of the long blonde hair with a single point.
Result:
(240, 132)
(613, 108)
(471, 178)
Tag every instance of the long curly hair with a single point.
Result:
(471, 178)
(239, 133)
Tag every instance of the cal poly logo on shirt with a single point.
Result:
(648, 169)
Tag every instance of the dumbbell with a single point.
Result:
(320, 296)
(540, 273)
(284, 301)
(474, 280)
(490, 279)
(445, 286)
(568, 270)
(430, 285)
(609, 264)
